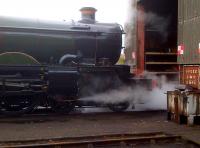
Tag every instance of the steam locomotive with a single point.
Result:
(54, 64)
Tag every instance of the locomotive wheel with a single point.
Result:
(11, 106)
(119, 107)
(63, 108)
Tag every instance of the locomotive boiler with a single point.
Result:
(53, 64)
(48, 42)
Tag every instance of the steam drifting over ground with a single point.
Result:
(139, 97)
(155, 99)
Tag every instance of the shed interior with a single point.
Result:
(159, 37)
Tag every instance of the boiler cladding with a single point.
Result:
(49, 41)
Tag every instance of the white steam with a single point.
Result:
(140, 97)
(130, 29)
(152, 21)
(155, 99)
(157, 23)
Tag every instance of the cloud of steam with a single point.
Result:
(157, 23)
(130, 29)
(130, 23)
(138, 96)
(155, 99)
(152, 21)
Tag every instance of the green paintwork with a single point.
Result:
(16, 58)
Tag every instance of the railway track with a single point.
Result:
(45, 114)
(48, 116)
(48, 111)
(157, 139)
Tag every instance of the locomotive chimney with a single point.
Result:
(88, 15)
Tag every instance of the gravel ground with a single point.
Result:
(88, 124)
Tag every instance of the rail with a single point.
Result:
(117, 140)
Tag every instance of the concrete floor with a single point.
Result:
(88, 124)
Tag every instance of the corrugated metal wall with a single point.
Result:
(189, 31)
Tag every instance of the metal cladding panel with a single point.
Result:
(192, 105)
(189, 32)
(175, 105)
(183, 104)
(170, 101)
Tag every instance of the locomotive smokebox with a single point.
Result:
(88, 15)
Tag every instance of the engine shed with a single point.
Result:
(153, 40)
